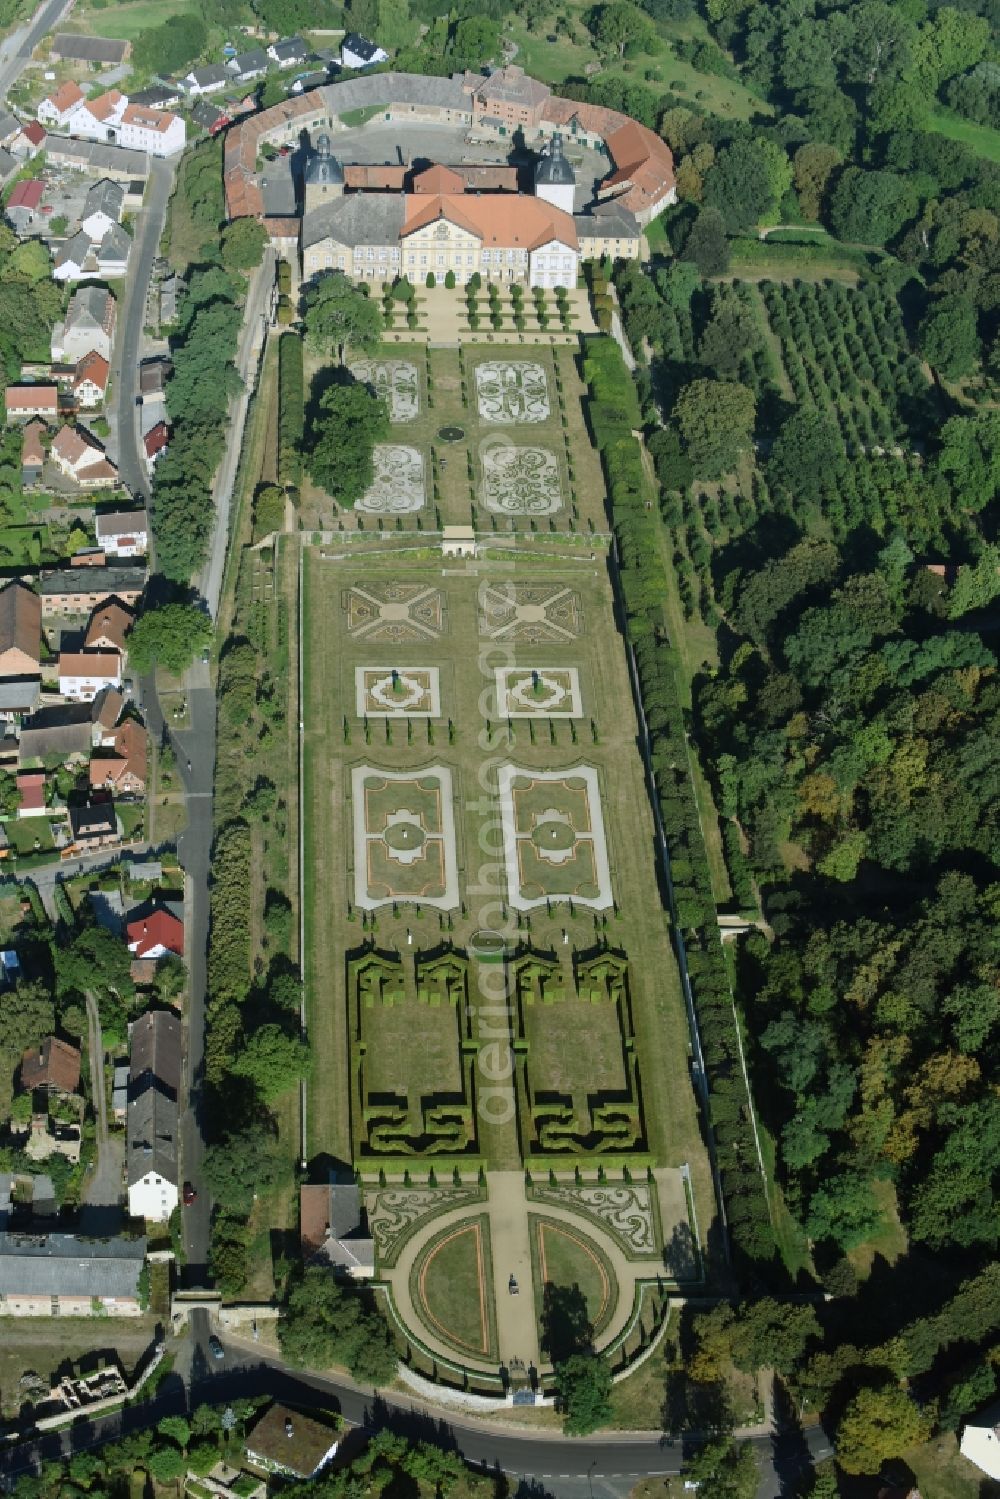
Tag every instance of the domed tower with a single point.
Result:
(324, 177)
(555, 181)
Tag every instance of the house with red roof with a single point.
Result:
(31, 789)
(28, 141)
(155, 442)
(90, 379)
(23, 205)
(56, 108)
(156, 935)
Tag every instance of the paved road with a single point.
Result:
(605, 1466)
(125, 445)
(16, 49)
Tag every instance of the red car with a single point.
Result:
(189, 1194)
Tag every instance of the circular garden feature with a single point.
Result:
(554, 836)
(404, 837)
(452, 1288)
(451, 434)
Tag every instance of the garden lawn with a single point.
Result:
(565, 1261)
(455, 1283)
(574, 1048)
(23, 831)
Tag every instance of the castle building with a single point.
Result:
(555, 180)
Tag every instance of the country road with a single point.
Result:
(126, 447)
(606, 1465)
(17, 47)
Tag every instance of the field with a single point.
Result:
(481, 435)
(128, 20)
(983, 139)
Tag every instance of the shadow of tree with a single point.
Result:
(566, 1324)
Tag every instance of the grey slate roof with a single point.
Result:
(104, 49)
(106, 195)
(88, 307)
(93, 156)
(205, 113)
(156, 97)
(116, 245)
(19, 695)
(156, 1053)
(250, 62)
(607, 222)
(213, 73)
(106, 580)
(65, 1265)
(75, 250)
(400, 88)
(278, 188)
(323, 167)
(554, 169)
(359, 46)
(288, 50)
(152, 1125)
(7, 162)
(358, 219)
(9, 125)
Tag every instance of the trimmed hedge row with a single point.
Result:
(291, 408)
(614, 413)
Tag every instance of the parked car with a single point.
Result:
(216, 1347)
(189, 1194)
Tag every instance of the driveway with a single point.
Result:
(101, 1213)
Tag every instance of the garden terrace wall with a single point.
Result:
(642, 584)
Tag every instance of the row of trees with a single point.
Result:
(614, 414)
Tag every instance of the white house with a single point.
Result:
(246, 66)
(102, 208)
(90, 380)
(154, 130)
(89, 325)
(113, 252)
(79, 456)
(83, 674)
(358, 52)
(99, 119)
(981, 1441)
(75, 258)
(553, 264)
(125, 533)
(56, 108)
(290, 52)
(207, 80)
(152, 1124)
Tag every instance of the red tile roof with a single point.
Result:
(496, 220)
(54, 1064)
(156, 439)
(34, 131)
(161, 929)
(65, 96)
(31, 787)
(26, 194)
(95, 368)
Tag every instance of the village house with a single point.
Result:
(56, 108)
(31, 793)
(29, 140)
(89, 325)
(154, 130)
(98, 119)
(23, 205)
(106, 710)
(290, 1444)
(80, 456)
(82, 674)
(104, 50)
(246, 66)
(32, 453)
(95, 159)
(156, 935)
(102, 208)
(155, 443)
(20, 631)
(63, 731)
(153, 376)
(52, 1067)
(73, 591)
(290, 52)
(90, 380)
(31, 400)
(207, 80)
(125, 771)
(158, 96)
(95, 826)
(357, 52)
(108, 627)
(61, 1275)
(123, 533)
(153, 1123)
(332, 1231)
